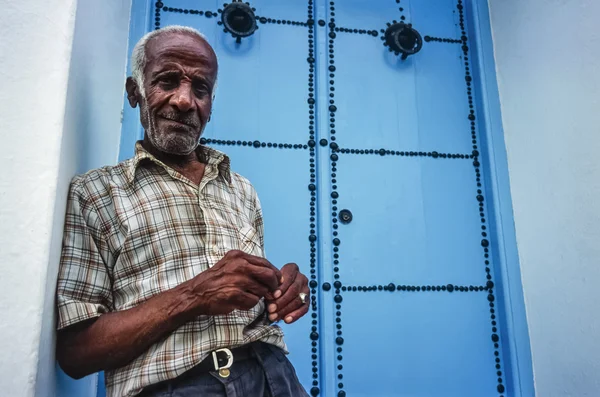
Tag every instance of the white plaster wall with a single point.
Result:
(60, 107)
(548, 66)
(35, 49)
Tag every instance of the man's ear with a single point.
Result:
(132, 92)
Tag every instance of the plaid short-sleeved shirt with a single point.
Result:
(140, 228)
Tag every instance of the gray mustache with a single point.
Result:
(188, 120)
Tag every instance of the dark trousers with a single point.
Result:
(268, 374)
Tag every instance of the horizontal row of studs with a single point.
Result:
(373, 33)
(255, 144)
(208, 13)
(383, 152)
(265, 20)
(311, 143)
(391, 287)
(441, 40)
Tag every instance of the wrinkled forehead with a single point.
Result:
(183, 49)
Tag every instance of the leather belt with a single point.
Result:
(220, 360)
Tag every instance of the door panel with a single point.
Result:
(407, 105)
(413, 221)
(429, 344)
(322, 117)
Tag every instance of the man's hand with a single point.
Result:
(238, 281)
(286, 303)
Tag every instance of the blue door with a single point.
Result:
(368, 142)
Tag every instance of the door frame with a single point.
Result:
(495, 162)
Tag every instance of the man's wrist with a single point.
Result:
(184, 305)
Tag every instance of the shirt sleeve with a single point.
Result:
(84, 287)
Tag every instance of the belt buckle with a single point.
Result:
(224, 371)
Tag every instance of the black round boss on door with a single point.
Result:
(239, 19)
(403, 39)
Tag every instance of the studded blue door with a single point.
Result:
(362, 136)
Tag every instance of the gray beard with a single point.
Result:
(176, 144)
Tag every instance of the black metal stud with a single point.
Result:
(326, 286)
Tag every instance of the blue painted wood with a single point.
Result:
(424, 327)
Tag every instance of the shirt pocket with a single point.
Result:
(250, 241)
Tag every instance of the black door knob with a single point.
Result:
(345, 216)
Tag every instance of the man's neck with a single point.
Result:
(189, 165)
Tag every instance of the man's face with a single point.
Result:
(178, 81)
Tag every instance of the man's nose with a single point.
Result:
(183, 98)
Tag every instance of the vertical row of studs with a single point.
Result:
(158, 5)
(485, 243)
(339, 340)
(402, 17)
(314, 335)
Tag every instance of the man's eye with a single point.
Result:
(201, 91)
(168, 81)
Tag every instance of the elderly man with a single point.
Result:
(163, 282)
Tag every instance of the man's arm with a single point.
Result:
(115, 339)
(238, 281)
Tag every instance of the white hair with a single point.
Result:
(139, 59)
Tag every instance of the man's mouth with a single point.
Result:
(178, 121)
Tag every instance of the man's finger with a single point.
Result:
(289, 301)
(289, 273)
(293, 305)
(258, 261)
(263, 275)
(296, 314)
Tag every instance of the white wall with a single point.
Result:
(548, 66)
(59, 115)
(35, 49)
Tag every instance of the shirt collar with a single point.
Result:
(212, 156)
